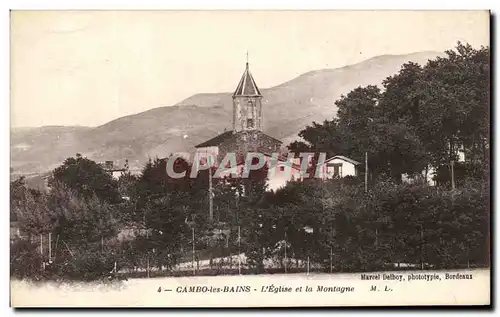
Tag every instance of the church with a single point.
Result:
(247, 134)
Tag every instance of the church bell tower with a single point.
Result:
(247, 104)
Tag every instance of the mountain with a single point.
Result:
(287, 108)
(44, 148)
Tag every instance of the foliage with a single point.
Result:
(422, 118)
(163, 205)
(86, 178)
(75, 215)
(83, 220)
(31, 210)
(25, 260)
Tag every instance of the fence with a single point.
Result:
(225, 254)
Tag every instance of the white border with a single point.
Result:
(255, 4)
(184, 5)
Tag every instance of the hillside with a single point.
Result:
(288, 108)
(41, 149)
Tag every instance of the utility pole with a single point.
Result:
(307, 265)
(210, 195)
(369, 126)
(286, 244)
(331, 260)
(452, 163)
(50, 247)
(331, 249)
(366, 172)
(422, 245)
(194, 270)
(147, 264)
(230, 256)
(239, 252)
(41, 249)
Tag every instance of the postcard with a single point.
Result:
(250, 158)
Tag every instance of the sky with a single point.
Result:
(89, 67)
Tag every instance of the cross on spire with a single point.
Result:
(247, 86)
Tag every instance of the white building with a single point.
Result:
(280, 171)
(340, 166)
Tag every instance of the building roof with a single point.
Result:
(343, 158)
(247, 86)
(221, 138)
(217, 140)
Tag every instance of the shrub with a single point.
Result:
(25, 260)
(85, 264)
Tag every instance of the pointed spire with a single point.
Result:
(247, 85)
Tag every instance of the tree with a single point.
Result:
(17, 196)
(325, 137)
(163, 206)
(25, 260)
(166, 219)
(256, 233)
(254, 219)
(424, 116)
(396, 131)
(396, 150)
(399, 102)
(80, 225)
(87, 178)
(126, 184)
(453, 96)
(30, 208)
(225, 194)
(356, 112)
(255, 185)
(81, 220)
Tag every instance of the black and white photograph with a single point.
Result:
(250, 158)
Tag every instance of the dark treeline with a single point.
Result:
(420, 121)
(422, 118)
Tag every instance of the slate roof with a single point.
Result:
(217, 140)
(221, 138)
(344, 158)
(247, 86)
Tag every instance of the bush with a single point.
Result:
(25, 260)
(419, 223)
(85, 264)
(405, 223)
